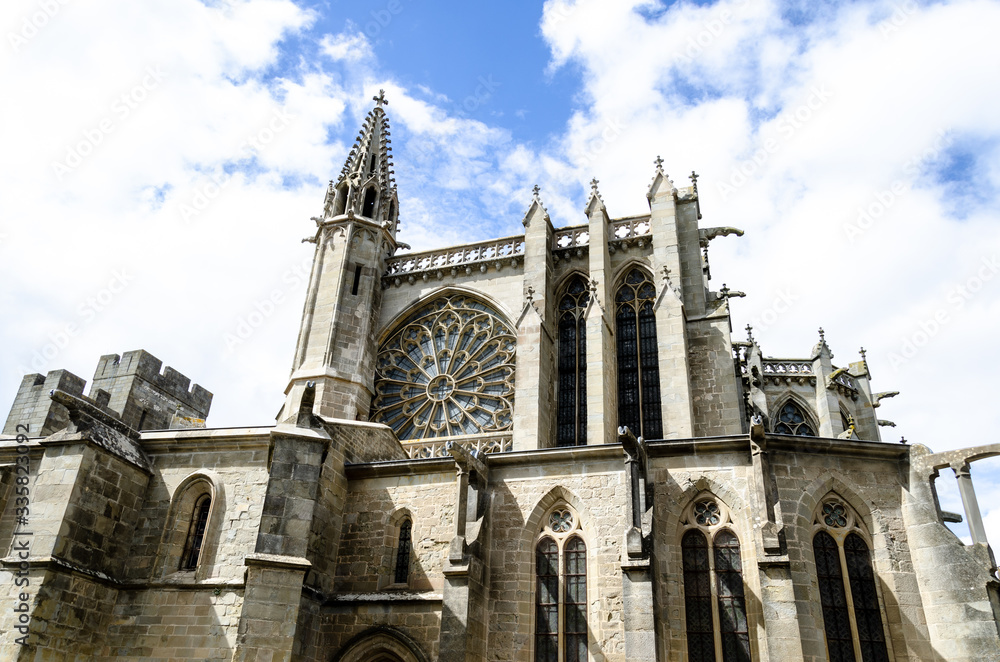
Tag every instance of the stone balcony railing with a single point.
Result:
(787, 367)
(496, 253)
(630, 230)
(493, 442)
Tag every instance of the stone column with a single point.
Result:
(972, 513)
(534, 378)
(638, 605)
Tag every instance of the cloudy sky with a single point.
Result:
(162, 161)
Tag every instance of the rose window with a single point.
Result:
(561, 521)
(448, 370)
(706, 513)
(834, 514)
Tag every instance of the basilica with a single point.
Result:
(547, 447)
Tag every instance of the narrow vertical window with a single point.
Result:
(571, 416)
(357, 279)
(575, 603)
(733, 626)
(698, 597)
(196, 532)
(561, 590)
(714, 597)
(368, 206)
(403, 552)
(867, 615)
(547, 601)
(852, 616)
(836, 620)
(638, 363)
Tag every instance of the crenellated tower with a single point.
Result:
(354, 236)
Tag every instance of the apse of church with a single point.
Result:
(544, 447)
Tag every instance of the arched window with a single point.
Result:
(571, 423)
(403, 552)
(638, 365)
(447, 370)
(852, 617)
(561, 590)
(791, 420)
(196, 532)
(341, 203)
(368, 207)
(714, 598)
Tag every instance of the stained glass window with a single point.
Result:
(840, 550)
(571, 423)
(867, 614)
(575, 603)
(791, 420)
(196, 532)
(403, 552)
(839, 640)
(547, 601)
(732, 602)
(561, 590)
(638, 363)
(698, 597)
(714, 597)
(448, 370)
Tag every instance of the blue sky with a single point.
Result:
(162, 162)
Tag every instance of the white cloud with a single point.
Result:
(347, 47)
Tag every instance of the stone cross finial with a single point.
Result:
(530, 296)
(724, 291)
(902, 440)
(659, 163)
(750, 333)
(822, 335)
(864, 355)
(380, 100)
(593, 184)
(666, 272)
(694, 180)
(536, 189)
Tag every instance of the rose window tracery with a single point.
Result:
(448, 370)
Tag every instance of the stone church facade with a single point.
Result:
(536, 448)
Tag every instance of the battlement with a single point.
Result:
(34, 408)
(140, 363)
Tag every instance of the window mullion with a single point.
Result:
(855, 639)
(561, 601)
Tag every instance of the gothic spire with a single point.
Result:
(366, 186)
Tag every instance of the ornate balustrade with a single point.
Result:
(782, 367)
(496, 442)
(626, 230)
(574, 236)
(496, 252)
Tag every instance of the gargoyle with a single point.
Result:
(706, 235)
(886, 424)
(884, 395)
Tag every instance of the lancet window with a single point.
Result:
(403, 547)
(638, 364)
(447, 370)
(714, 597)
(571, 423)
(196, 532)
(852, 617)
(561, 590)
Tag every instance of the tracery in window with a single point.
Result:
(561, 590)
(791, 420)
(402, 573)
(638, 364)
(447, 370)
(852, 617)
(571, 417)
(196, 532)
(714, 596)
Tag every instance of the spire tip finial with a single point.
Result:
(380, 100)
